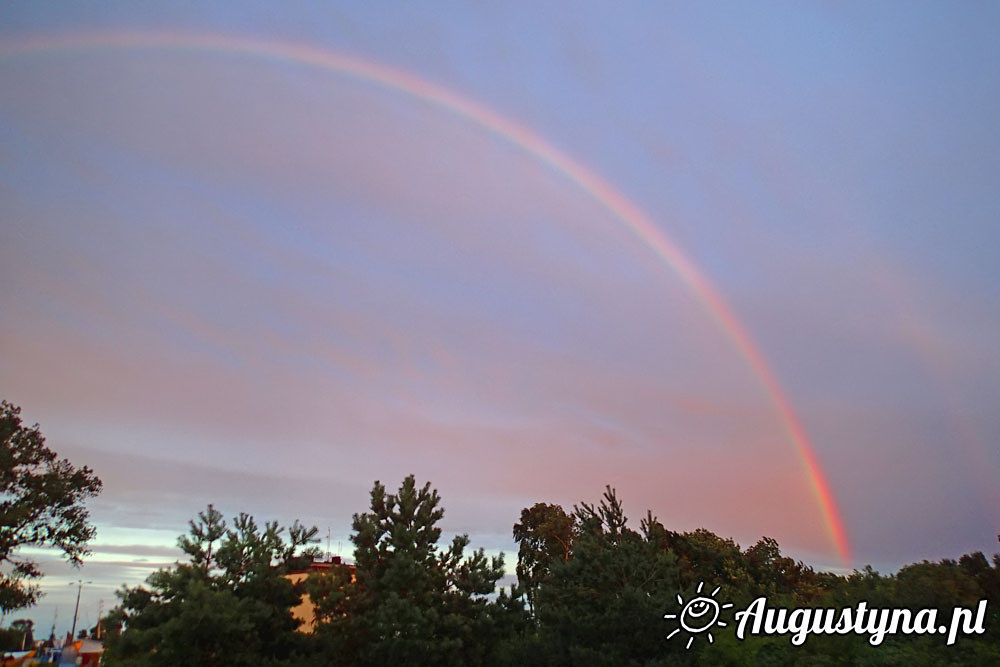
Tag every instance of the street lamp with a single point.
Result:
(79, 588)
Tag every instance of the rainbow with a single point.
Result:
(598, 189)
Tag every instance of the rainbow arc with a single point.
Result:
(602, 192)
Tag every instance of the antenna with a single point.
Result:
(329, 556)
(76, 612)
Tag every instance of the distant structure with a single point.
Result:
(306, 610)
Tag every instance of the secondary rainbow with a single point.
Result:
(599, 189)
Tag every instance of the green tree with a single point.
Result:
(229, 605)
(544, 536)
(41, 505)
(18, 637)
(411, 602)
(25, 628)
(704, 556)
(605, 603)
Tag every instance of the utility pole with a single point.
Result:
(79, 589)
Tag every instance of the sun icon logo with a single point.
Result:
(700, 614)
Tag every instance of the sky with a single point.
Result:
(738, 262)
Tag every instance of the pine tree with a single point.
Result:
(229, 605)
(411, 602)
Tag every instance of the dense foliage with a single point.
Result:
(603, 600)
(19, 636)
(229, 605)
(593, 590)
(41, 505)
(411, 601)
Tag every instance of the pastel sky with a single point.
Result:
(233, 274)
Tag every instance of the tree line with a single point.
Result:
(591, 590)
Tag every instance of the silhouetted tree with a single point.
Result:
(18, 637)
(544, 536)
(41, 505)
(230, 605)
(604, 604)
(411, 602)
